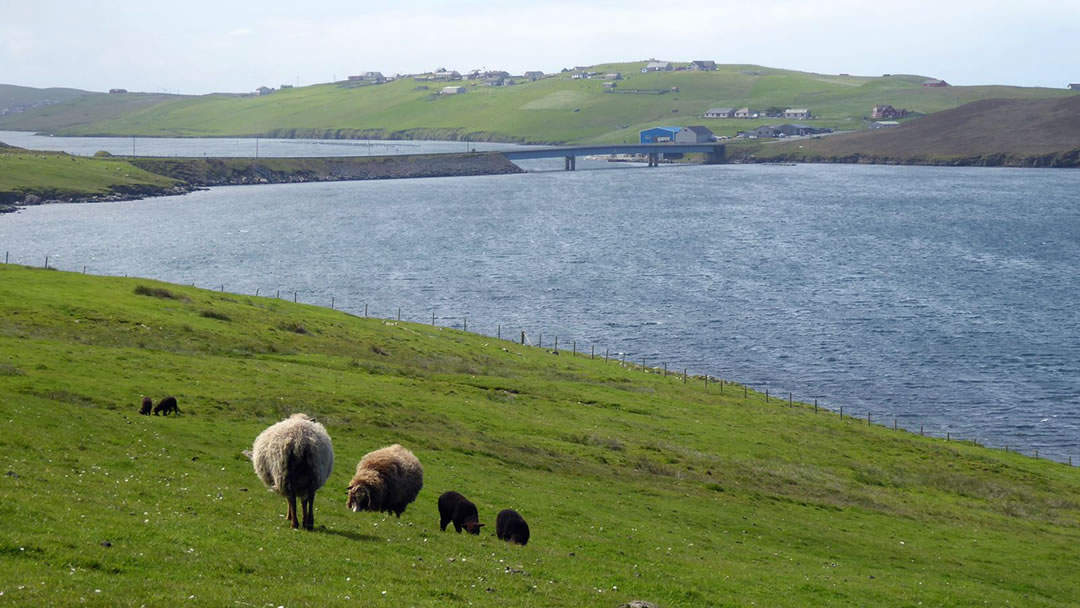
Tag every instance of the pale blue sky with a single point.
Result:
(197, 46)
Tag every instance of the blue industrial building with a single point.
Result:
(658, 135)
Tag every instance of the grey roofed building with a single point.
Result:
(693, 135)
(720, 113)
(704, 66)
(657, 66)
(1074, 86)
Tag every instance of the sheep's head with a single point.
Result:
(364, 495)
(472, 527)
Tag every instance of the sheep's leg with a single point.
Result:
(292, 511)
(309, 511)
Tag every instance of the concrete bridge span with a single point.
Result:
(714, 153)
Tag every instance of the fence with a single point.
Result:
(705, 380)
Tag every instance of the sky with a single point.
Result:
(199, 46)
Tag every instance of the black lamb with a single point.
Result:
(510, 526)
(454, 507)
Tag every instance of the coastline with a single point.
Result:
(191, 174)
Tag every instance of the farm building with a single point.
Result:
(934, 83)
(887, 111)
(703, 66)
(452, 90)
(748, 113)
(657, 66)
(797, 113)
(534, 75)
(658, 135)
(1074, 86)
(720, 113)
(693, 135)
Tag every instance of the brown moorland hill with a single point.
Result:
(1014, 132)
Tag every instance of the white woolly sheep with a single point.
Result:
(294, 458)
(386, 480)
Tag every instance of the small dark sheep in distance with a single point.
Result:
(454, 507)
(510, 526)
(166, 406)
(147, 404)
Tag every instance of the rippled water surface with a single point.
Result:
(941, 297)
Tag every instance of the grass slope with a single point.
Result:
(1043, 132)
(555, 109)
(13, 96)
(51, 175)
(635, 485)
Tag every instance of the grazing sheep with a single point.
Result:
(166, 406)
(147, 403)
(294, 458)
(386, 480)
(510, 526)
(454, 507)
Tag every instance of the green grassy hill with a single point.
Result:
(1042, 133)
(53, 175)
(557, 109)
(14, 98)
(635, 485)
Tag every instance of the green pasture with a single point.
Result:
(58, 175)
(636, 485)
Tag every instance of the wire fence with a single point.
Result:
(706, 381)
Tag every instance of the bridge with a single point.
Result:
(714, 153)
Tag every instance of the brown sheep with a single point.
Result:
(386, 480)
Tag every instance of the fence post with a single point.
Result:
(398, 313)
(575, 348)
(684, 375)
(921, 434)
(433, 317)
(523, 337)
(766, 395)
(706, 381)
(498, 333)
(607, 353)
(222, 290)
(1036, 454)
(789, 401)
(6, 256)
(948, 436)
(84, 269)
(894, 424)
(643, 363)
(332, 303)
(540, 340)
(46, 262)
(465, 324)
(556, 343)
(365, 309)
(815, 406)
(665, 370)
(592, 353)
(294, 297)
(867, 418)
(256, 292)
(841, 412)
(277, 294)
(744, 391)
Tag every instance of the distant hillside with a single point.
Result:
(1016, 132)
(15, 99)
(557, 109)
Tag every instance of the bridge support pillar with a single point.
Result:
(571, 163)
(654, 159)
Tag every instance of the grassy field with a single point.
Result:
(53, 175)
(635, 485)
(554, 110)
